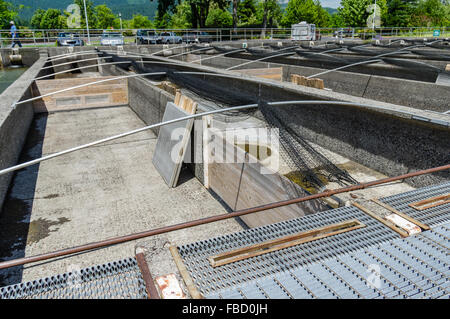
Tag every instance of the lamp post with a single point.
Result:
(87, 23)
(120, 18)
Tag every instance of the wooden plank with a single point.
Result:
(111, 93)
(431, 202)
(266, 73)
(284, 242)
(242, 185)
(388, 223)
(409, 218)
(193, 291)
(303, 80)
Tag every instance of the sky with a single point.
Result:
(325, 3)
(330, 3)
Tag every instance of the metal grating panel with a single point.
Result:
(431, 216)
(209, 279)
(415, 267)
(116, 280)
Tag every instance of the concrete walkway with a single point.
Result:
(94, 194)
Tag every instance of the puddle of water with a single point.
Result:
(9, 75)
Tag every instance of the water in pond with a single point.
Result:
(8, 75)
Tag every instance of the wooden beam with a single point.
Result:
(192, 288)
(432, 202)
(285, 242)
(386, 222)
(409, 218)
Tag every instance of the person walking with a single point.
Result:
(15, 36)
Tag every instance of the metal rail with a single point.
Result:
(86, 84)
(69, 55)
(265, 58)
(81, 68)
(217, 55)
(235, 108)
(76, 61)
(212, 219)
(369, 60)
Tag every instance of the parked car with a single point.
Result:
(112, 38)
(343, 33)
(69, 40)
(197, 36)
(170, 37)
(147, 37)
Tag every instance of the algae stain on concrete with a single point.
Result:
(40, 229)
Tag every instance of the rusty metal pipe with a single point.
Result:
(212, 219)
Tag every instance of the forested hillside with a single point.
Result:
(126, 7)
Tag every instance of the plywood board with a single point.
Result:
(111, 93)
(302, 80)
(266, 73)
(242, 185)
(172, 143)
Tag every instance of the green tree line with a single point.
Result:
(244, 13)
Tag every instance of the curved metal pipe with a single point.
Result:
(209, 220)
(76, 61)
(264, 58)
(242, 107)
(367, 61)
(217, 55)
(45, 158)
(81, 68)
(86, 84)
(65, 56)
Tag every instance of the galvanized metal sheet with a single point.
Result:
(414, 267)
(172, 143)
(116, 280)
(433, 216)
(209, 279)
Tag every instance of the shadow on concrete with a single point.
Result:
(16, 228)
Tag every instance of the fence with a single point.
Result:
(36, 37)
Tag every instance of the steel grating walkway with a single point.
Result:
(116, 280)
(209, 279)
(431, 216)
(415, 267)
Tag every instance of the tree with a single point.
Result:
(140, 22)
(92, 19)
(245, 11)
(53, 19)
(105, 17)
(431, 13)
(7, 14)
(182, 17)
(218, 18)
(37, 18)
(200, 10)
(268, 13)
(305, 10)
(399, 12)
(355, 13)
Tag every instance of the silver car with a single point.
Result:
(112, 38)
(170, 37)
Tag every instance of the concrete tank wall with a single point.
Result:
(426, 96)
(14, 123)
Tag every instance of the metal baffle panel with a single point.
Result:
(432, 216)
(116, 280)
(415, 267)
(209, 279)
